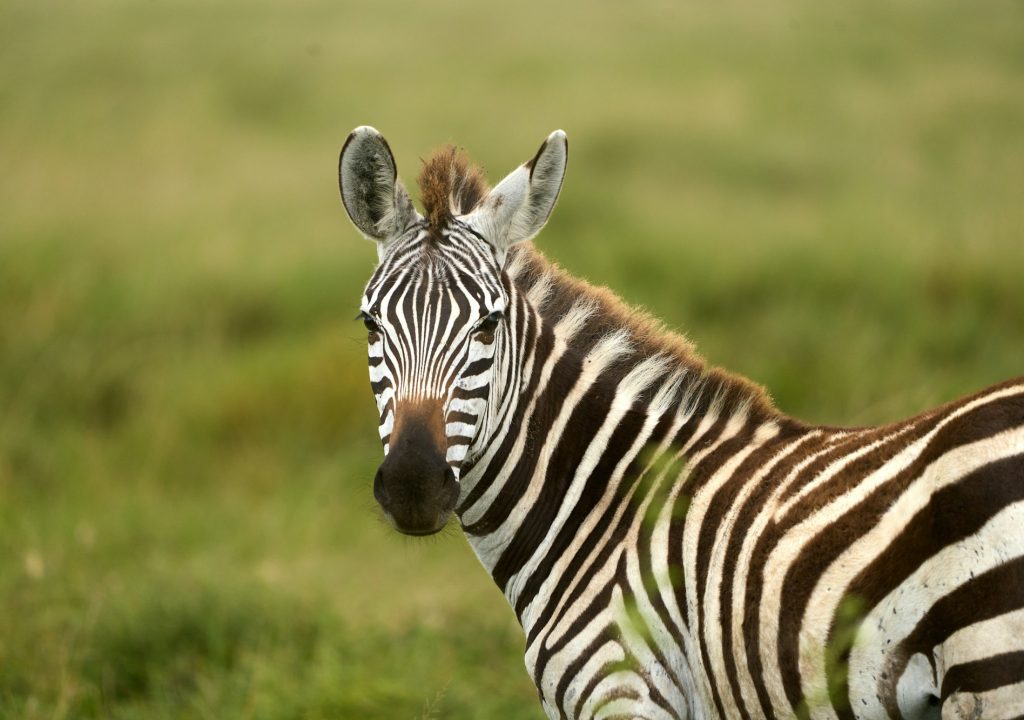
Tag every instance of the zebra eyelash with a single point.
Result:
(368, 320)
(489, 323)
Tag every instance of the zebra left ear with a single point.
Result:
(370, 190)
(519, 206)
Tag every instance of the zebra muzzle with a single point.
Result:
(414, 485)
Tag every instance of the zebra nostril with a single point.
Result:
(379, 493)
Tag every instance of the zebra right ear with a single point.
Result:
(517, 208)
(372, 194)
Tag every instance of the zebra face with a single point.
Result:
(433, 332)
(435, 309)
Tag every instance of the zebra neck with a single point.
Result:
(604, 417)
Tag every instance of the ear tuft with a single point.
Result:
(368, 180)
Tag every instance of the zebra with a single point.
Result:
(673, 545)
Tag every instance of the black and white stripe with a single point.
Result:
(432, 306)
(672, 545)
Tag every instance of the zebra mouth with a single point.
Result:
(414, 502)
(418, 531)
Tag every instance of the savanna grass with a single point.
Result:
(825, 198)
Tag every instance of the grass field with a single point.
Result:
(827, 199)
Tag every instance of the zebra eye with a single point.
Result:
(490, 322)
(369, 322)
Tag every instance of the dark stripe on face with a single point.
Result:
(427, 293)
(389, 408)
(479, 393)
(524, 325)
(477, 367)
(455, 416)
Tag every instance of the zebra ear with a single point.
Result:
(372, 194)
(519, 206)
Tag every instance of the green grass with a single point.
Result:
(826, 199)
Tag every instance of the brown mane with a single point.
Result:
(449, 184)
(648, 336)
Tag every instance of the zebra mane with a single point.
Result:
(449, 185)
(596, 312)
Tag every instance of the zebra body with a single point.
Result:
(673, 545)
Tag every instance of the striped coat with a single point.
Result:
(671, 543)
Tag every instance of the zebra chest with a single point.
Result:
(598, 672)
(602, 651)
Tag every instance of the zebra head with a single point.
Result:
(437, 309)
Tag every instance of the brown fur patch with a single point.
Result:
(423, 414)
(450, 184)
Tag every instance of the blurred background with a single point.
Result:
(825, 198)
